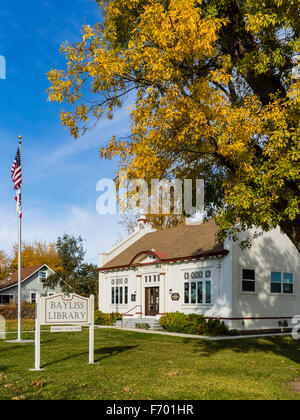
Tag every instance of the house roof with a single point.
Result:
(12, 279)
(176, 243)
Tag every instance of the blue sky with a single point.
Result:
(59, 174)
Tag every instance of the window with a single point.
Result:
(275, 282)
(208, 292)
(198, 292)
(6, 299)
(33, 297)
(119, 295)
(282, 282)
(248, 282)
(133, 298)
(186, 292)
(193, 292)
(288, 283)
(112, 295)
(42, 276)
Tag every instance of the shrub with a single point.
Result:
(193, 324)
(142, 325)
(102, 318)
(10, 311)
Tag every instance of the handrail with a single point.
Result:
(125, 313)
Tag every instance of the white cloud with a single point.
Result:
(98, 231)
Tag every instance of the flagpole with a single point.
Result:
(17, 180)
(19, 263)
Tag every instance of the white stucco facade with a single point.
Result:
(217, 279)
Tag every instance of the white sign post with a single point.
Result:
(2, 328)
(59, 310)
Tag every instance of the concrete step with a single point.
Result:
(153, 323)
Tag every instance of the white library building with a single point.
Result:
(186, 269)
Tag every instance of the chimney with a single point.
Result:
(143, 223)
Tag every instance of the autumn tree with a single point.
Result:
(214, 99)
(5, 263)
(36, 253)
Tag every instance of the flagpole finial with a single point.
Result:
(20, 138)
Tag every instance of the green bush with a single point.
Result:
(10, 311)
(194, 324)
(142, 325)
(102, 318)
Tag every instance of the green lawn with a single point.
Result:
(147, 366)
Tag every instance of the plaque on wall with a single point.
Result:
(175, 296)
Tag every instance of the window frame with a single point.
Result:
(33, 293)
(40, 280)
(282, 283)
(10, 298)
(119, 294)
(248, 292)
(203, 289)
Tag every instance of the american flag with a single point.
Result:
(16, 177)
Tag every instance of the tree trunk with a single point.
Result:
(292, 230)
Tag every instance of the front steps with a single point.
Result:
(140, 323)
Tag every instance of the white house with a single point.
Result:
(185, 269)
(32, 281)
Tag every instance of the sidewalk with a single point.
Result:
(199, 337)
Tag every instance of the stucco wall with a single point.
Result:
(272, 251)
(105, 286)
(172, 281)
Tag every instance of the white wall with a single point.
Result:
(273, 251)
(140, 231)
(221, 291)
(105, 287)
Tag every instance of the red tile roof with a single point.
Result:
(12, 279)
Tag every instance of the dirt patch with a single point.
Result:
(294, 385)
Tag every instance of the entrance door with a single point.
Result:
(152, 301)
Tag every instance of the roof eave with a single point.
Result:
(26, 278)
(221, 252)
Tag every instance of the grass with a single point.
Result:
(27, 325)
(148, 366)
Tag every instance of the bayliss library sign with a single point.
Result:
(72, 311)
(60, 309)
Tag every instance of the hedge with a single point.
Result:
(194, 324)
(102, 318)
(10, 311)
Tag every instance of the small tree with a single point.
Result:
(5, 263)
(74, 276)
